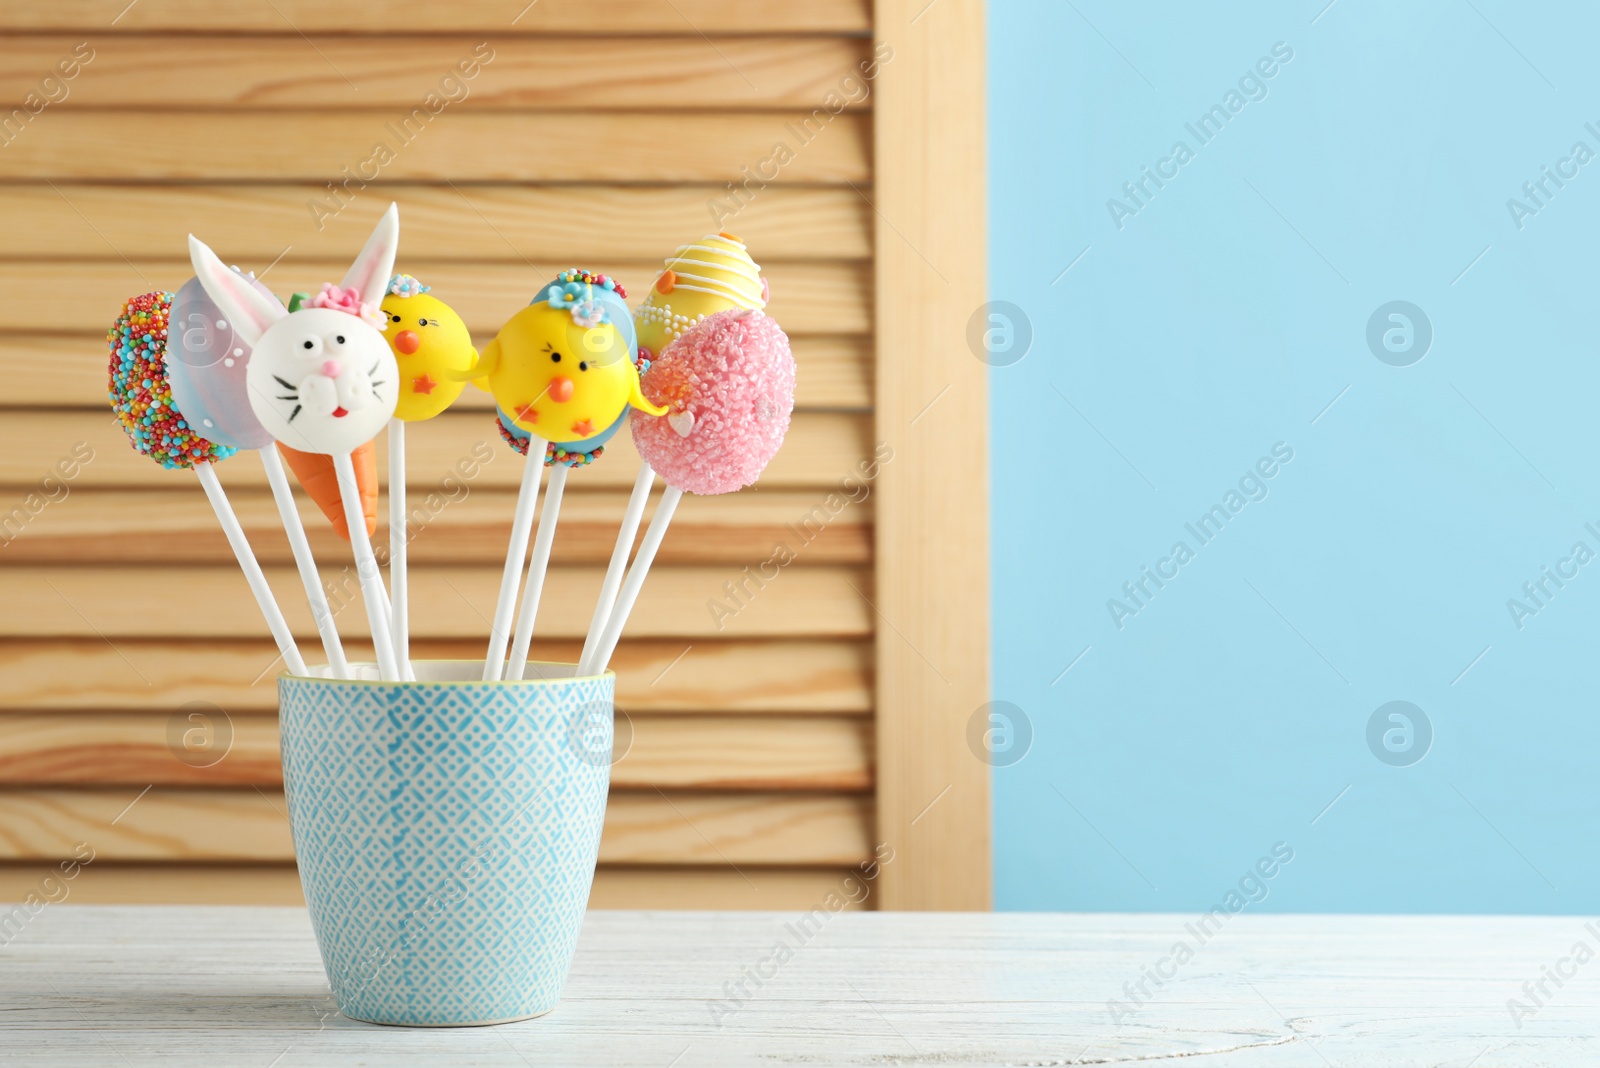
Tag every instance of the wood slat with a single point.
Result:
(141, 526)
(317, 146)
(723, 752)
(106, 882)
(469, 223)
(933, 659)
(188, 746)
(720, 829)
(205, 824)
(820, 450)
(615, 887)
(256, 72)
(88, 675)
(499, 17)
(208, 747)
(58, 297)
(784, 889)
(209, 602)
(834, 372)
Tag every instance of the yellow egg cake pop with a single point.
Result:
(431, 345)
(562, 368)
(712, 275)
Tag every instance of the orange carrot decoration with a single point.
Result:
(316, 475)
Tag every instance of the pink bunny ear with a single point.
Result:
(248, 310)
(369, 274)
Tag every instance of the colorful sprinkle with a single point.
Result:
(140, 394)
(552, 454)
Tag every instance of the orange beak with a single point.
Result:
(560, 389)
(407, 342)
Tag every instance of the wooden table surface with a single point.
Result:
(241, 987)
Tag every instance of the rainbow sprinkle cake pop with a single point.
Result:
(728, 383)
(141, 393)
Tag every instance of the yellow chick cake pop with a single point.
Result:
(562, 368)
(711, 275)
(431, 345)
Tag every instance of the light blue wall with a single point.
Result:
(1220, 320)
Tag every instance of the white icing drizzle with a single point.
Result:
(739, 266)
(734, 295)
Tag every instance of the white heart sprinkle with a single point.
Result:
(682, 422)
(228, 362)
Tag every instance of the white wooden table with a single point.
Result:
(242, 987)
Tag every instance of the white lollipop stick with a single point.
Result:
(296, 531)
(536, 570)
(618, 566)
(252, 570)
(400, 608)
(367, 569)
(636, 575)
(521, 525)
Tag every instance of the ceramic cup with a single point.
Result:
(446, 831)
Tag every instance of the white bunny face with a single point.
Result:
(321, 379)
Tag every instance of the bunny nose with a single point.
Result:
(332, 368)
(407, 342)
(560, 389)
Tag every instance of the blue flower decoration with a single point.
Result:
(567, 295)
(403, 285)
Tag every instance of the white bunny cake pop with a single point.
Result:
(321, 378)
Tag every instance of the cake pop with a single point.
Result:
(729, 386)
(711, 275)
(561, 370)
(432, 349)
(728, 383)
(703, 278)
(207, 364)
(322, 379)
(316, 475)
(140, 393)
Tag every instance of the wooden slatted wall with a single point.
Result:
(596, 135)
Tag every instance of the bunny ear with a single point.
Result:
(247, 308)
(369, 274)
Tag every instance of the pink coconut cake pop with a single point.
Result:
(729, 385)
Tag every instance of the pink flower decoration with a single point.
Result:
(590, 313)
(348, 301)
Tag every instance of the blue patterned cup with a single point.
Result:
(446, 831)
